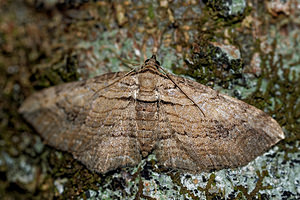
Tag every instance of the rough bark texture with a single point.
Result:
(114, 120)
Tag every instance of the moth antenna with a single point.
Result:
(128, 73)
(168, 75)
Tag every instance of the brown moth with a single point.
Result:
(116, 119)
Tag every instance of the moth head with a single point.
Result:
(152, 62)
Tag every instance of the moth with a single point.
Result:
(116, 119)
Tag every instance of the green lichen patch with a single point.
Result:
(227, 8)
(210, 64)
(63, 70)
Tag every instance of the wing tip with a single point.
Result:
(277, 131)
(28, 106)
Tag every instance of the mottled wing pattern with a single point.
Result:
(231, 133)
(87, 120)
(108, 121)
